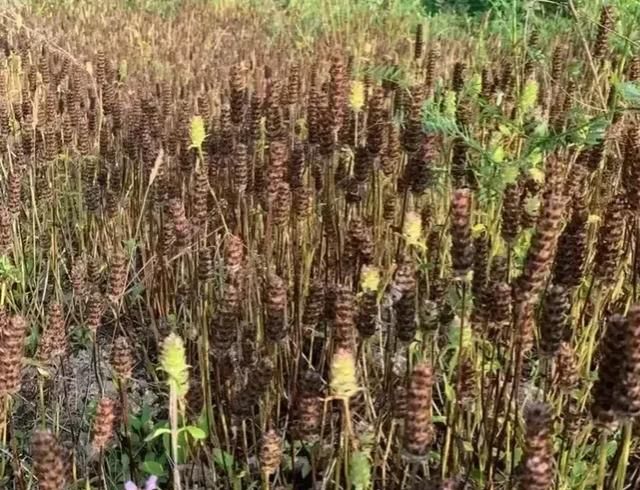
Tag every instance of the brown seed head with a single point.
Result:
(5, 230)
(554, 319)
(122, 358)
(367, 314)
(511, 210)
(344, 320)
(117, 274)
(276, 304)
(103, 424)
(308, 407)
(48, 461)
(538, 466)
(314, 304)
(95, 310)
(566, 375)
(53, 342)
(270, 452)
(609, 244)
(419, 432)
(461, 243)
(179, 222)
(632, 361)
(11, 350)
(607, 392)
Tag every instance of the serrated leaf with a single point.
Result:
(475, 85)
(629, 92)
(197, 132)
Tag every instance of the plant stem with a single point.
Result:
(602, 461)
(623, 461)
(173, 418)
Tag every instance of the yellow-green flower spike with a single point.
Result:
(369, 278)
(344, 382)
(356, 97)
(173, 361)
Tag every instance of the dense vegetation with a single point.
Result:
(319, 245)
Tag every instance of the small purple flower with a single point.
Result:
(150, 484)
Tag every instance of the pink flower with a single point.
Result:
(150, 484)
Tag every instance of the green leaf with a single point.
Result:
(152, 467)
(498, 154)
(454, 335)
(130, 246)
(156, 433)
(629, 92)
(196, 432)
(304, 466)
(510, 174)
(506, 130)
(223, 458)
(360, 470)
(534, 158)
(611, 448)
(475, 85)
(136, 291)
(197, 132)
(542, 129)
(145, 415)
(529, 96)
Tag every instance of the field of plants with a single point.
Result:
(319, 245)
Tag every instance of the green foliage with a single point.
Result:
(360, 470)
(470, 7)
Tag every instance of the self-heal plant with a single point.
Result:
(173, 361)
